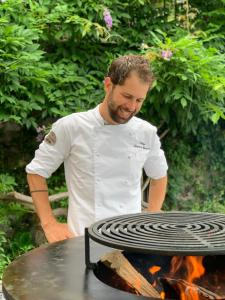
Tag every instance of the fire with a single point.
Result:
(162, 295)
(193, 269)
(184, 271)
(154, 269)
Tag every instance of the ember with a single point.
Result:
(154, 269)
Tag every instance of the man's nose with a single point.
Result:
(131, 105)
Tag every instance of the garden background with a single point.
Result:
(53, 58)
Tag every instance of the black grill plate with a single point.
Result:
(167, 233)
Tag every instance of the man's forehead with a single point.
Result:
(135, 86)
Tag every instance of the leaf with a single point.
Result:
(184, 77)
(215, 117)
(35, 106)
(55, 111)
(183, 102)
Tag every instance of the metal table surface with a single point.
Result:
(58, 272)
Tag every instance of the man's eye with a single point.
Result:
(128, 96)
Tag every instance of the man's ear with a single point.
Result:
(107, 84)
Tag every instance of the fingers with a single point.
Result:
(58, 232)
(70, 235)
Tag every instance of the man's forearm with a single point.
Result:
(39, 193)
(157, 192)
(54, 230)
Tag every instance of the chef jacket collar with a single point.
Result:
(98, 116)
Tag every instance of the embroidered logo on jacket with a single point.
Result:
(50, 138)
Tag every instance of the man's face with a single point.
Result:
(125, 101)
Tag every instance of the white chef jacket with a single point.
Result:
(103, 165)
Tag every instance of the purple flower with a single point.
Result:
(167, 54)
(41, 133)
(40, 137)
(107, 18)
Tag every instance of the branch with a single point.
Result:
(164, 133)
(27, 200)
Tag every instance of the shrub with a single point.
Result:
(190, 85)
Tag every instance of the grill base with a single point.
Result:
(56, 272)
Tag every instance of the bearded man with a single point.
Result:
(104, 151)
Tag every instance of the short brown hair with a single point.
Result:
(121, 68)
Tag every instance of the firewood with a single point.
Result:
(116, 261)
(207, 294)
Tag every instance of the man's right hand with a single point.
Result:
(55, 231)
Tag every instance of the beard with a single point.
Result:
(119, 113)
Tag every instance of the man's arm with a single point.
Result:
(54, 231)
(157, 192)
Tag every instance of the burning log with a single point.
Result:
(117, 261)
(151, 276)
(181, 284)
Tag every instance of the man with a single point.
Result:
(104, 151)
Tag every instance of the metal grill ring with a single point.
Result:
(167, 233)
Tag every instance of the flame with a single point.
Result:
(188, 269)
(154, 269)
(162, 295)
(194, 270)
(176, 264)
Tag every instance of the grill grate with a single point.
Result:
(168, 233)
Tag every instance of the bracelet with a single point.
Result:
(37, 191)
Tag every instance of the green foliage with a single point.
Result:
(54, 55)
(46, 68)
(15, 232)
(7, 183)
(190, 86)
(21, 72)
(53, 59)
(4, 259)
(196, 173)
(211, 20)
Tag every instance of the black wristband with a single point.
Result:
(38, 191)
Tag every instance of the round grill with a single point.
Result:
(169, 233)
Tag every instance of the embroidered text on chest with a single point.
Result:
(141, 145)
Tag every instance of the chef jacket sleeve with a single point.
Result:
(156, 165)
(52, 151)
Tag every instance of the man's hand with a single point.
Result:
(55, 231)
